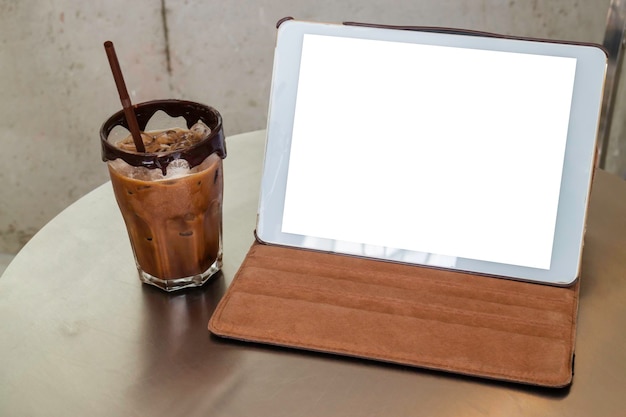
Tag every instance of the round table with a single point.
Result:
(81, 336)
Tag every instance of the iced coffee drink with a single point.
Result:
(170, 196)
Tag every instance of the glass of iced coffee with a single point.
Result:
(170, 196)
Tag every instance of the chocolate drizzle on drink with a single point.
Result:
(190, 111)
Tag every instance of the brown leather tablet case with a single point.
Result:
(412, 315)
(424, 317)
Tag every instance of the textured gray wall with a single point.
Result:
(57, 88)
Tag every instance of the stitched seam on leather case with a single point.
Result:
(265, 279)
(429, 296)
(232, 331)
(448, 315)
(405, 278)
(481, 370)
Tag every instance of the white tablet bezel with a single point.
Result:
(577, 167)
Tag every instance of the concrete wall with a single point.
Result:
(57, 88)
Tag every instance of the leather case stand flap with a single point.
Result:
(431, 318)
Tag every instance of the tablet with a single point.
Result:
(471, 153)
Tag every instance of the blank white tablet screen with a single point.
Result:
(444, 150)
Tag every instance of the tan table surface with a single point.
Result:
(81, 336)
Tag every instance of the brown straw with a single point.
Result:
(131, 119)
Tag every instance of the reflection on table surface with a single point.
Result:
(82, 336)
